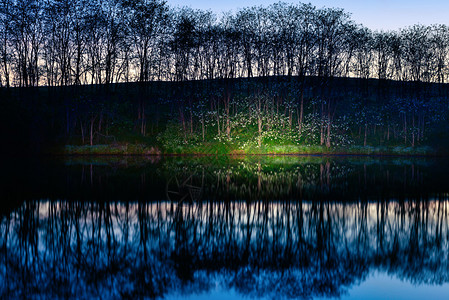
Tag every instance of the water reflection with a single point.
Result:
(249, 179)
(292, 227)
(292, 249)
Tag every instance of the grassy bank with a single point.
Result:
(125, 149)
(226, 149)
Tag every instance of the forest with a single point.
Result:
(141, 77)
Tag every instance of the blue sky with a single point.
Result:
(374, 14)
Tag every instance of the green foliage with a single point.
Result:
(126, 149)
(171, 139)
(255, 125)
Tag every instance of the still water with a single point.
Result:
(240, 228)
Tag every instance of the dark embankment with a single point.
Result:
(242, 116)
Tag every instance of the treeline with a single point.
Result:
(74, 42)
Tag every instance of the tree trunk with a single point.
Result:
(413, 130)
(259, 123)
(364, 139)
(322, 125)
(82, 132)
(202, 126)
(405, 129)
(92, 121)
(183, 123)
(301, 114)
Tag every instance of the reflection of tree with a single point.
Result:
(305, 178)
(291, 248)
(223, 178)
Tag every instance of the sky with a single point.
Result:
(374, 14)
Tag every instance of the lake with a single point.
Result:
(256, 227)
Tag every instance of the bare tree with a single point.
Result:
(26, 38)
(416, 52)
(146, 19)
(439, 46)
(363, 39)
(6, 7)
(383, 54)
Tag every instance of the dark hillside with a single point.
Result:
(330, 112)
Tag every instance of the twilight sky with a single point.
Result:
(374, 14)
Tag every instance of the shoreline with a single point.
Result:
(142, 150)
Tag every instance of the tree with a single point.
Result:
(383, 54)
(246, 22)
(439, 45)
(416, 52)
(60, 24)
(185, 39)
(331, 28)
(146, 19)
(26, 38)
(6, 7)
(363, 40)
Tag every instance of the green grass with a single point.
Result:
(126, 149)
(222, 148)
